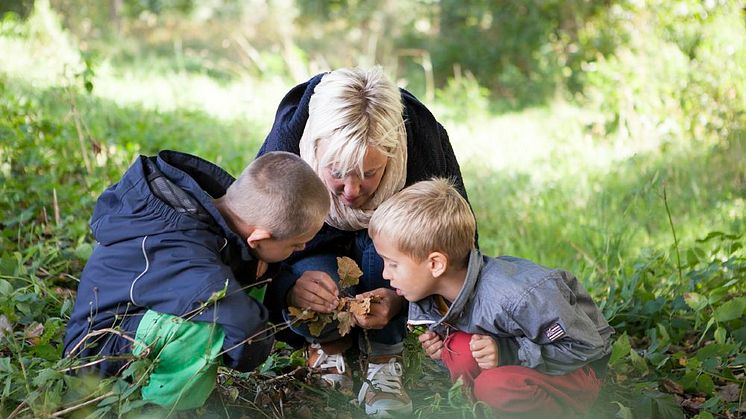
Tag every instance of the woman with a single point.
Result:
(367, 140)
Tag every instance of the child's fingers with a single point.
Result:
(426, 336)
(478, 342)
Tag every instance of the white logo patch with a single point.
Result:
(554, 332)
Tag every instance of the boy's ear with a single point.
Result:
(438, 263)
(257, 236)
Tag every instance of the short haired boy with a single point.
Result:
(527, 339)
(178, 243)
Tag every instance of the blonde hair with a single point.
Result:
(428, 216)
(279, 191)
(352, 110)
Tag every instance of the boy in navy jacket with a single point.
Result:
(179, 241)
(529, 340)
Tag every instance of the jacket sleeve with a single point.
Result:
(557, 328)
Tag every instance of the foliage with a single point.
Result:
(669, 99)
(347, 308)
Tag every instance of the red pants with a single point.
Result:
(514, 390)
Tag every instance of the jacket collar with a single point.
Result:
(425, 311)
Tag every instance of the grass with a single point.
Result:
(545, 184)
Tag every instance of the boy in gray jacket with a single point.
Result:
(529, 340)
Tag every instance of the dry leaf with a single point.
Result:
(346, 321)
(349, 272)
(316, 326)
(360, 307)
(300, 314)
(670, 386)
(33, 332)
(730, 392)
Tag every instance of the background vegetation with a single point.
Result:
(607, 138)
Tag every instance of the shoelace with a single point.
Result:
(326, 360)
(384, 377)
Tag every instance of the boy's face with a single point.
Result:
(411, 279)
(273, 250)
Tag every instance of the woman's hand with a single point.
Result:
(484, 350)
(381, 312)
(432, 344)
(314, 290)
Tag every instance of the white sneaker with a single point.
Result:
(332, 367)
(382, 390)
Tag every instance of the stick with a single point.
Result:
(78, 406)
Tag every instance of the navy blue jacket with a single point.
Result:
(169, 258)
(429, 154)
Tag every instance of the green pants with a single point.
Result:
(185, 359)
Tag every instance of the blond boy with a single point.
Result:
(527, 339)
(179, 241)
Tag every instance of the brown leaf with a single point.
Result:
(33, 332)
(670, 386)
(301, 314)
(316, 326)
(346, 321)
(349, 272)
(360, 306)
(730, 392)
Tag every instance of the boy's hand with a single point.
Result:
(314, 290)
(387, 306)
(484, 350)
(432, 344)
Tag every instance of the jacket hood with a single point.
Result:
(130, 209)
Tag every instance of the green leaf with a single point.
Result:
(695, 301)
(46, 375)
(731, 310)
(717, 349)
(620, 349)
(704, 415)
(691, 257)
(667, 407)
(705, 384)
(638, 362)
(6, 289)
(720, 335)
(624, 412)
(83, 251)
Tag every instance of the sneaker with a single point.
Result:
(382, 390)
(328, 359)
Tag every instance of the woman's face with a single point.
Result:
(349, 188)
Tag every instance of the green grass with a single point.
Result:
(546, 184)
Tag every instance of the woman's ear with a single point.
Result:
(438, 263)
(257, 236)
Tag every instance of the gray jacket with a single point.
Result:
(541, 318)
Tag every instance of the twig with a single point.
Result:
(78, 406)
(190, 314)
(673, 231)
(56, 207)
(18, 410)
(88, 364)
(108, 330)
